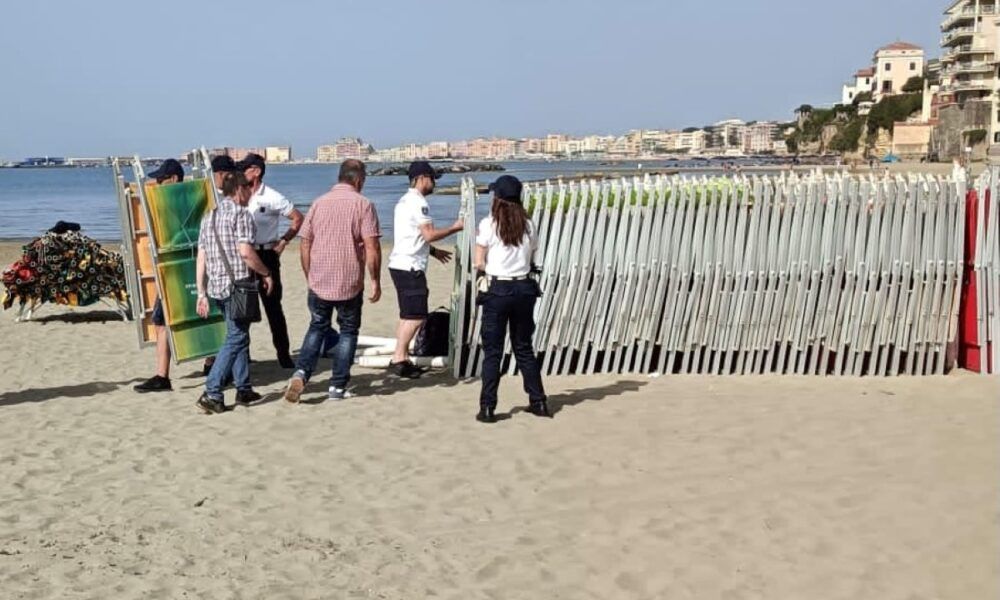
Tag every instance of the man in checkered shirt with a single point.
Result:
(340, 241)
(230, 224)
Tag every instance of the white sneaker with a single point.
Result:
(339, 394)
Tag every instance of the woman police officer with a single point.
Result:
(505, 246)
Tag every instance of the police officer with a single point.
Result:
(267, 206)
(506, 243)
(169, 172)
(413, 234)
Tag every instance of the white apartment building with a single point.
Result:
(759, 137)
(437, 150)
(863, 82)
(969, 63)
(726, 136)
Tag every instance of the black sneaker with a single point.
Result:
(246, 397)
(207, 367)
(154, 384)
(211, 406)
(406, 370)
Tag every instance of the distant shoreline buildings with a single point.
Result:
(732, 137)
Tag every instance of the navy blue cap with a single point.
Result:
(168, 168)
(422, 167)
(223, 164)
(507, 187)
(252, 160)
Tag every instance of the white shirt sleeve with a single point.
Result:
(421, 213)
(281, 205)
(485, 233)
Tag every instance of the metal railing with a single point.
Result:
(966, 49)
(968, 12)
(968, 67)
(956, 33)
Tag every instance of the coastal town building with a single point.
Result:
(554, 143)
(278, 154)
(759, 137)
(967, 99)
(272, 154)
(343, 149)
(726, 137)
(235, 153)
(437, 150)
(863, 82)
(911, 140)
(895, 65)
(733, 137)
(892, 67)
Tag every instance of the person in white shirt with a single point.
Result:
(506, 243)
(268, 206)
(413, 234)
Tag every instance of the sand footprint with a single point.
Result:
(491, 569)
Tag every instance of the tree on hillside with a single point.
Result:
(893, 109)
(862, 97)
(914, 84)
(804, 109)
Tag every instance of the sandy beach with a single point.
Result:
(671, 487)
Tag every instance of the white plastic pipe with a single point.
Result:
(376, 362)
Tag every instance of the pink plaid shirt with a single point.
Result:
(337, 224)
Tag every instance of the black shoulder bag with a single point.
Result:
(244, 301)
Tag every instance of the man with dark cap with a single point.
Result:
(413, 234)
(170, 171)
(267, 206)
(221, 165)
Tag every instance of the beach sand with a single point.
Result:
(671, 487)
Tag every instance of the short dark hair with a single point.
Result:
(352, 171)
(233, 181)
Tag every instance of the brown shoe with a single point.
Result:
(294, 390)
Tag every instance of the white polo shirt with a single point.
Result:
(502, 260)
(267, 206)
(409, 248)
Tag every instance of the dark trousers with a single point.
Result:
(349, 320)
(272, 303)
(510, 305)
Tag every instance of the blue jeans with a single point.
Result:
(234, 357)
(349, 321)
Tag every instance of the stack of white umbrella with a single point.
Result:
(986, 268)
(814, 274)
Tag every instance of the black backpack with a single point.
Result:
(433, 337)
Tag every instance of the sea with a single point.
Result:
(33, 200)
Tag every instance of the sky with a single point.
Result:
(110, 77)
